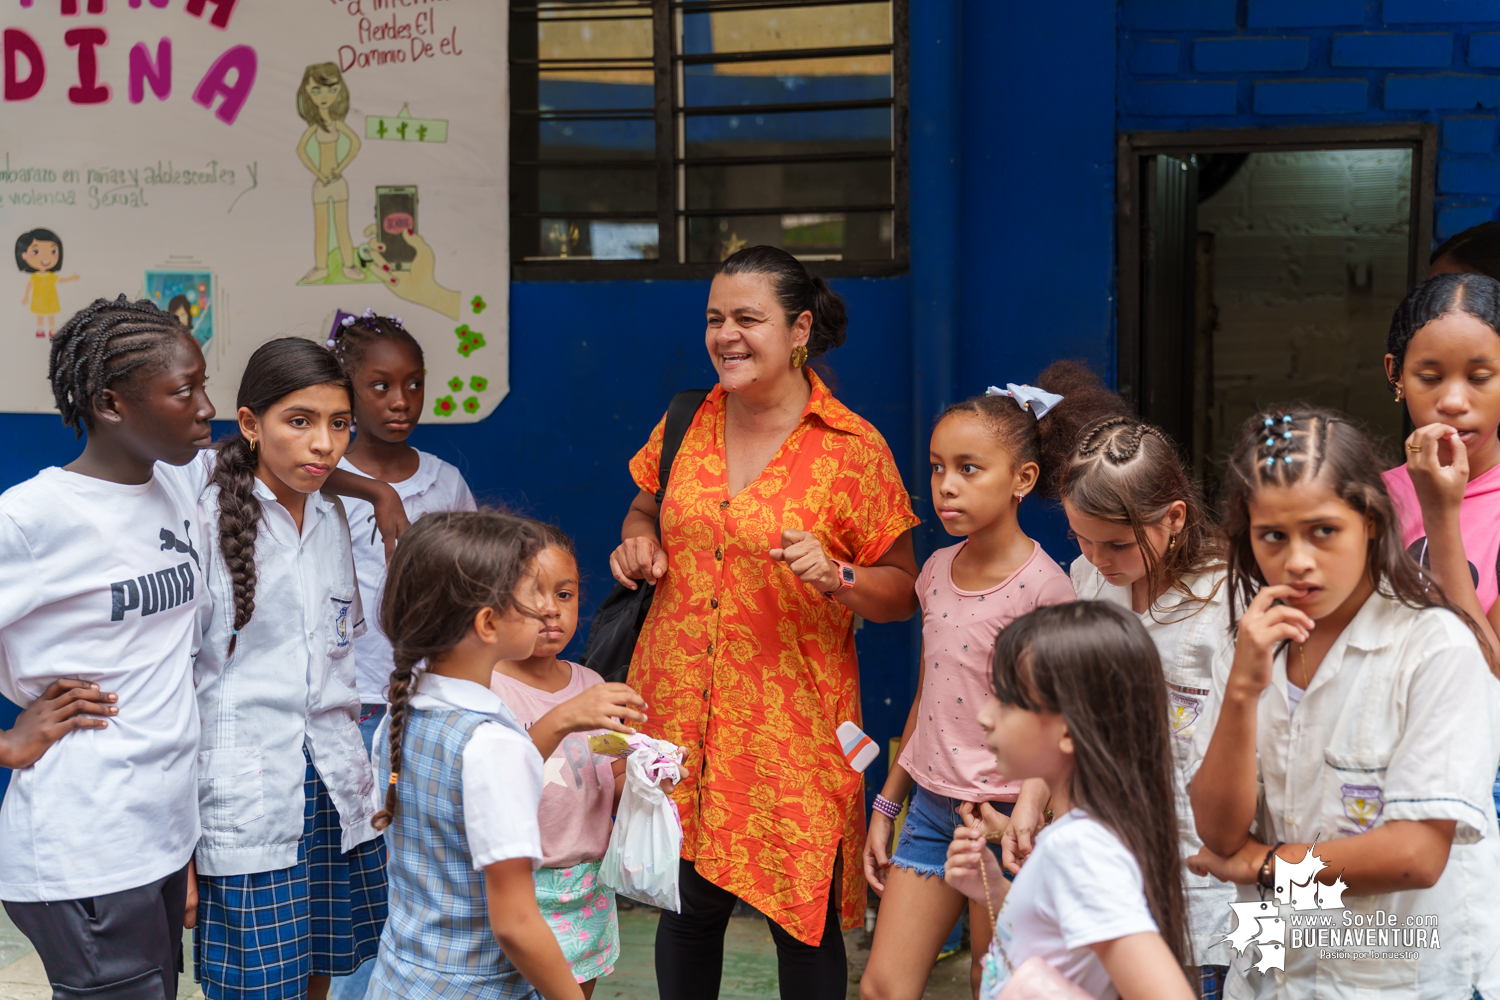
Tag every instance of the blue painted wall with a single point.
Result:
(1211, 64)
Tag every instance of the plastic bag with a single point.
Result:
(646, 844)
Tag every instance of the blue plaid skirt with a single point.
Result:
(260, 936)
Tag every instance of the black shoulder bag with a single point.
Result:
(619, 617)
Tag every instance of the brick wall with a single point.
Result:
(1216, 64)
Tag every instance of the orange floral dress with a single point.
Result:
(752, 670)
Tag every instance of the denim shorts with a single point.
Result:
(928, 830)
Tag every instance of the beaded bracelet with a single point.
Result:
(886, 807)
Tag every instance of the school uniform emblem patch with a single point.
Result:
(1363, 804)
(1184, 705)
(341, 624)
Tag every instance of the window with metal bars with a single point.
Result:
(652, 138)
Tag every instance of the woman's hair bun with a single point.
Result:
(797, 292)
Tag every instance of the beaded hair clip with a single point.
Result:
(366, 319)
(1286, 435)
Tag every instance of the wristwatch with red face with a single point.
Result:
(846, 579)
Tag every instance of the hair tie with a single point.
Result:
(1028, 397)
(394, 776)
(347, 321)
(331, 343)
(234, 633)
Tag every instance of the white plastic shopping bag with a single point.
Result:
(644, 848)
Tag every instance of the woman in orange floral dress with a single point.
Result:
(784, 518)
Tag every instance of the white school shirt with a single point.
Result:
(1189, 638)
(1400, 722)
(502, 772)
(289, 684)
(100, 581)
(435, 486)
(1079, 887)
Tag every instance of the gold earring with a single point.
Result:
(799, 356)
(1400, 394)
(252, 446)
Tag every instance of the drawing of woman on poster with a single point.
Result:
(323, 101)
(40, 253)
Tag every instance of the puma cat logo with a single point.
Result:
(169, 543)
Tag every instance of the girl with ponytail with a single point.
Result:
(985, 461)
(285, 788)
(462, 777)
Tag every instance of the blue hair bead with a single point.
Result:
(1287, 460)
(1270, 442)
(1287, 419)
(1270, 462)
(1287, 435)
(1269, 421)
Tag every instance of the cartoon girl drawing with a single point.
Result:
(182, 309)
(40, 253)
(323, 102)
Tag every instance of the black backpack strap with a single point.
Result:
(679, 418)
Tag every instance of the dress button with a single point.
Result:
(714, 603)
(705, 694)
(718, 554)
(710, 650)
(724, 505)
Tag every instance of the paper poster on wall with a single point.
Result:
(256, 167)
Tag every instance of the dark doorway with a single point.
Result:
(1262, 267)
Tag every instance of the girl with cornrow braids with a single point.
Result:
(98, 601)
(462, 778)
(388, 376)
(1350, 742)
(1148, 547)
(291, 873)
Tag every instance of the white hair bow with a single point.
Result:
(1028, 397)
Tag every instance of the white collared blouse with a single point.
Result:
(1401, 722)
(290, 684)
(1190, 636)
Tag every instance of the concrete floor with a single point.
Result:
(749, 964)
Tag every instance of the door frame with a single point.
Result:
(1420, 137)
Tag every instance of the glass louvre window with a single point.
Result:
(652, 138)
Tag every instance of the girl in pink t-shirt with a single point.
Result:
(986, 458)
(579, 789)
(1444, 362)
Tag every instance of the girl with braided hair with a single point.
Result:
(1148, 547)
(388, 376)
(102, 584)
(1350, 741)
(462, 780)
(986, 459)
(291, 874)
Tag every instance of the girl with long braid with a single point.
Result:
(462, 779)
(1149, 547)
(1349, 745)
(291, 874)
(103, 578)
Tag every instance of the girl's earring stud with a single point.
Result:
(799, 356)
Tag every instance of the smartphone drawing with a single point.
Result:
(395, 215)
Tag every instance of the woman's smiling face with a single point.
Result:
(748, 338)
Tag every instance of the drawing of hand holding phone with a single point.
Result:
(401, 258)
